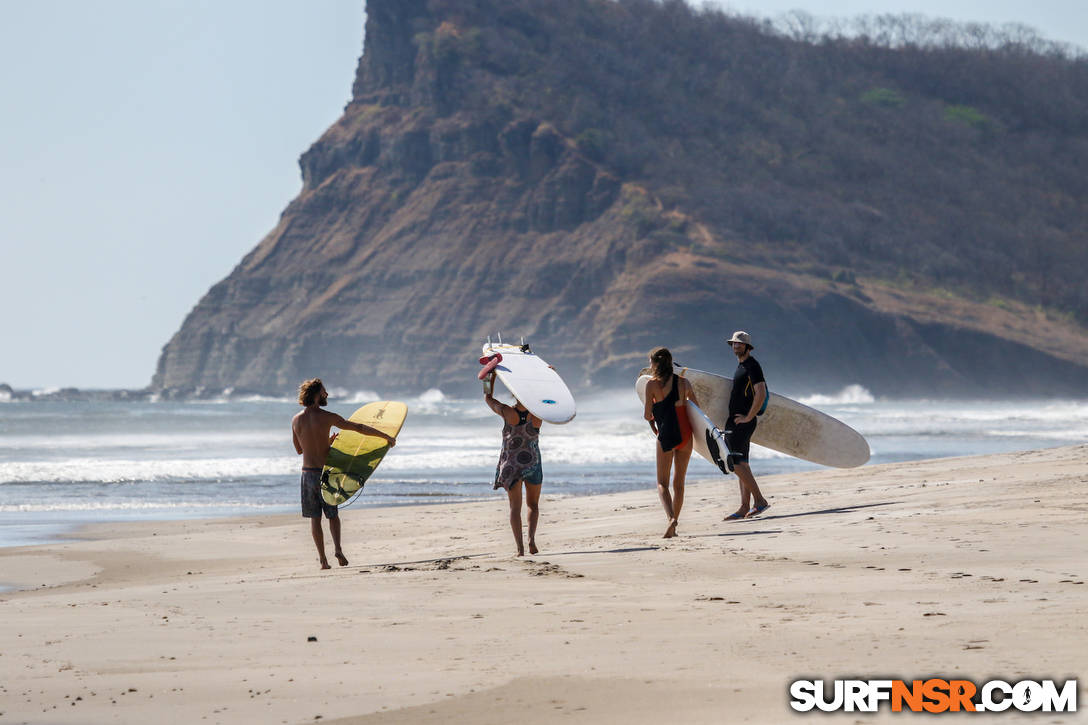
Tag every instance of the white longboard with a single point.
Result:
(787, 426)
(707, 439)
(533, 382)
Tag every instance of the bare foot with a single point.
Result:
(532, 548)
(341, 559)
(521, 552)
(325, 564)
(671, 531)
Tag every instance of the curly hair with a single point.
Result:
(661, 362)
(309, 391)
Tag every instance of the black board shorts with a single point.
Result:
(312, 503)
(739, 439)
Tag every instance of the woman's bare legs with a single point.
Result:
(664, 466)
(514, 494)
(680, 471)
(532, 501)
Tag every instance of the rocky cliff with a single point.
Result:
(497, 171)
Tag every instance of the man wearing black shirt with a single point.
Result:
(745, 401)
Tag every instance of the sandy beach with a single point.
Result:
(967, 567)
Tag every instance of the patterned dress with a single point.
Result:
(520, 457)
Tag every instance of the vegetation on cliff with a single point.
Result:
(604, 175)
(920, 152)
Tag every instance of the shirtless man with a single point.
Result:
(310, 431)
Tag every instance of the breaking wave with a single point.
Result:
(850, 395)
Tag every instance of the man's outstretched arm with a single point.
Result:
(366, 430)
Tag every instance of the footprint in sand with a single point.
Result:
(544, 568)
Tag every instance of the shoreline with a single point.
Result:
(58, 530)
(973, 567)
(60, 525)
(71, 531)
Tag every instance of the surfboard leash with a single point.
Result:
(353, 498)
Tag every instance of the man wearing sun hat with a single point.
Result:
(745, 402)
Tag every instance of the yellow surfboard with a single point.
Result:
(354, 456)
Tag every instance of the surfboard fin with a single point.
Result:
(726, 463)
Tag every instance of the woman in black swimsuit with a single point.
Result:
(667, 415)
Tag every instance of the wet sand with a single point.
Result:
(972, 567)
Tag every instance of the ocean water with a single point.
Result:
(63, 464)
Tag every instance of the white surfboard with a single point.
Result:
(707, 439)
(533, 382)
(787, 426)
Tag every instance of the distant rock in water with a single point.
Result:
(605, 176)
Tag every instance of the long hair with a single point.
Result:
(308, 392)
(661, 362)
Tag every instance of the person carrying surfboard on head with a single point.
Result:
(666, 394)
(519, 462)
(745, 402)
(310, 431)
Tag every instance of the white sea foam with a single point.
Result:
(599, 448)
(435, 402)
(430, 401)
(45, 391)
(146, 442)
(137, 505)
(1027, 411)
(260, 399)
(447, 460)
(433, 395)
(1029, 419)
(850, 395)
(1073, 435)
(228, 396)
(358, 397)
(132, 471)
(179, 459)
(758, 452)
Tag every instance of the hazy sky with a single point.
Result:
(149, 144)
